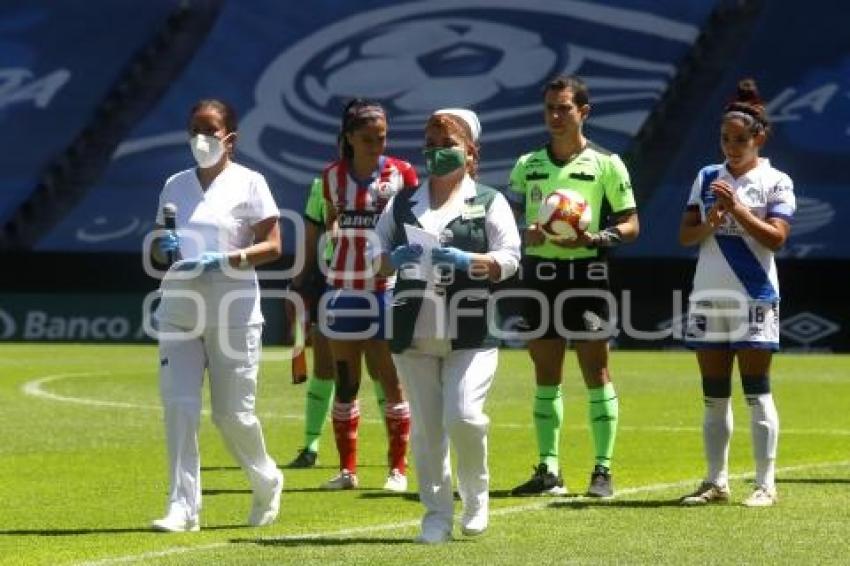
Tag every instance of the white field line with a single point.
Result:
(540, 503)
(34, 388)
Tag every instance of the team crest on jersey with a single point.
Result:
(753, 197)
(383, 190)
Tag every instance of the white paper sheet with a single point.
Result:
(428, 241)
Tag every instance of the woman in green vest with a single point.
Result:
(449, 240)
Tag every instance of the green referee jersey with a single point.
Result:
(315, 212)
(599, 175)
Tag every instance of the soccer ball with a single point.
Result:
(564, 214)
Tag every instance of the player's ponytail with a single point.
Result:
(748, 105)
(748, 92)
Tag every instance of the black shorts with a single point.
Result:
(570, 299)
(313, 288)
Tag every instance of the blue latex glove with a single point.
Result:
(452, 256)
(405, 254)
(169, 243)
(208, 261)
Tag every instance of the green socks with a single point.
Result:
(548, 416)
(320, 394)
(604, 411)
(379, 397)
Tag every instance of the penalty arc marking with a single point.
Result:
(34, 388)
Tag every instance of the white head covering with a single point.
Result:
(468, 116)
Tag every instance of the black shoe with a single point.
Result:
(542, 482)
(305, 459)
(601, 483)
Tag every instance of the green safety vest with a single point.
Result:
(467, 234)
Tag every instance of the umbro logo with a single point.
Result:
(807, 328)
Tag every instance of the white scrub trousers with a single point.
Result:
(446, 391)
(233, 387)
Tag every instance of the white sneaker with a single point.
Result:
(396, 482)
(437, 537)
(433, 535)
(176, 521)
(706, 493)
(266, 504)
(344, 480)
(762, 497)
(474, 524)
(436, 529)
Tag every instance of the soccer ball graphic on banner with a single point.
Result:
(564, 214)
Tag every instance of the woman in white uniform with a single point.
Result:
(209, 316)
(445, 358)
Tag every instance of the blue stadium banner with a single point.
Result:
(289, 71)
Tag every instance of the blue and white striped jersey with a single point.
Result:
(731, 259)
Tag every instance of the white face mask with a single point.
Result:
(207, 150)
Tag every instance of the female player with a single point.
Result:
(448, 368)
(226, 223)
(310, 285)
(356, 189)
(739, 214)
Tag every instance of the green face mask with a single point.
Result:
(441, 161)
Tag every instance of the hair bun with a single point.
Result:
(748, 92)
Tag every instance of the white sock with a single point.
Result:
(716, 433)
(764, 425)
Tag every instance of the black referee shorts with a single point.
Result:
(569, 299)
(313, 288)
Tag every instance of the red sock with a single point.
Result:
(346, 418)
(398, 430)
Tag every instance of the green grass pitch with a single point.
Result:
(82, 472)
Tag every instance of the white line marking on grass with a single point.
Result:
(34, 388)
(504, 511)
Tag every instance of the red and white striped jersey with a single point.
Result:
(358, 204)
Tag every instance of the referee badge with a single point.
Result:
(536, 193)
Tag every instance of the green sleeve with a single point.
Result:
(516, 183)
(618, 186)
(315, 208)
